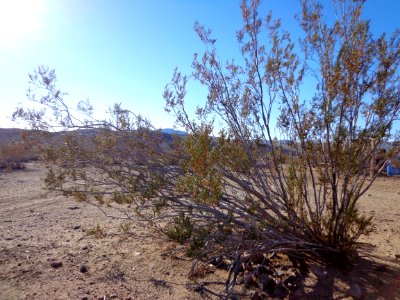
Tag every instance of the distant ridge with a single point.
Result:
(9, 135)
(173, 131)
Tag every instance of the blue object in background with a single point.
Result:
(392, 171)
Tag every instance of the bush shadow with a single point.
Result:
(377, 277)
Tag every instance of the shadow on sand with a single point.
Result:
(378, 278)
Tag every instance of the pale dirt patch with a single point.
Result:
(37, 229)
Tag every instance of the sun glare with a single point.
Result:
(20, 20)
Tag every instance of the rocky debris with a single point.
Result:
(220, 262)
(272, 274)
(355, 291)
(267, 274)
(83, 269)
(200, 269)
(56, 264)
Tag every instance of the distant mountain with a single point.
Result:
(9, 135)
(14, 134)
(173, 131)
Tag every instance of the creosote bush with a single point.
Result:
(290, 183)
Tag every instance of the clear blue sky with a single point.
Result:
(126, 50)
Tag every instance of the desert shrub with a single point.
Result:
(125, 227)
(14, 155)
(299, 194)
(180, 229)
(96, 232)
(303, 193)
(235, 155)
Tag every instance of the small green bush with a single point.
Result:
(97, 232)
(181, 229)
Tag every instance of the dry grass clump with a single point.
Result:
(14, 155)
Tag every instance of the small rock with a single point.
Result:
(83, 269)
(85, 298)
(355, 291)
(76, 227)
(73, 207)
(136, 253)
(56, 264)
(85, 247)
(211, 268)
(221, 262)
(113, 296)
(397, 256)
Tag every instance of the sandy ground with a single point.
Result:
(46, 251)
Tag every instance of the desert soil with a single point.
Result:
(50, 249)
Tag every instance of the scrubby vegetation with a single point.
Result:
(283, 173)
(14, 155)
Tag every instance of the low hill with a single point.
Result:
(9, 135)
